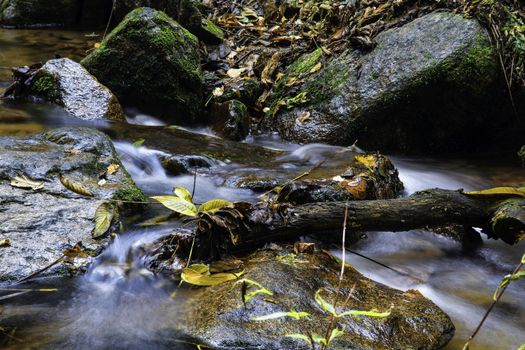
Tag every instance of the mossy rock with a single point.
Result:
(230, 120)
(217, 316)
(186, 12)
(151, 62)
(429, 85)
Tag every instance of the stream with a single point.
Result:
(118, 304)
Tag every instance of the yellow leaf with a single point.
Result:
(177, 204)
(97, 45)
(183, 193)
(24, 182)
(316, 68)
(214, 205)
(75, 187)
(367, 160)
(498, 192)
(103, 217)
(199, 275)
(112, 169)
(218, 92)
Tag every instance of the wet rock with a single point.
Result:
(246, 91)
(428, 85)
(186, 12)
(27, 13)
(149, 61)
(42, 223)
(369, 176)
(230, 120)
(186, 164)
(293, 278)
(68, 84)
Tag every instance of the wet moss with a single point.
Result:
(46, 86)
(130, 194)
(296, 71)
(211, 28)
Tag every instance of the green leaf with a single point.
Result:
(260, 290)
(318, 338)
(103, 217)
(299, 336)
(498, 192)
(292, 314)
(522, 347)
(214, 205)
(183, 193)
(336, 332)
(324, 304)
(371, 313)
(138, 143)
(506, 281)
(177, 204)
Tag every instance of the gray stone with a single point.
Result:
(41, 224)
(70, 85)
(427, 85)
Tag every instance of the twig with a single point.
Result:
(41, 270)
(385, 266)
(330, 327)
(109, 19)
(491, 307)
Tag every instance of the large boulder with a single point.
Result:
(428, 85)
(42, 223)
(69, 85)
(27, 13)
(186, 12)
(293, 279)
(151, 62)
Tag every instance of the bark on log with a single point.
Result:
(246, 227)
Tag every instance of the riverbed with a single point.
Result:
(108, 309)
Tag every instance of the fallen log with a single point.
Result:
(247, 226)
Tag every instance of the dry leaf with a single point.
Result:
(112, 169)
(75, 187)
(218, 92)
(316, 68)
(303, 117)
(4, 243)
(24, 182)
(72, 151)
(103, 217)
(97, 45)
(235, 72)
(269, 69)
(102, 182)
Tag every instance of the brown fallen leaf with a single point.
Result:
(303, 117)
(235, 72)
(72, 151)
(25, 182)
(4, 243)
(269, 69)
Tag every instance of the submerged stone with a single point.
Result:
(218, 317)
(42, 223)
(428, 85)
(151, 62)
(68, 84)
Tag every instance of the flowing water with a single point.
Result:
(118, 304)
